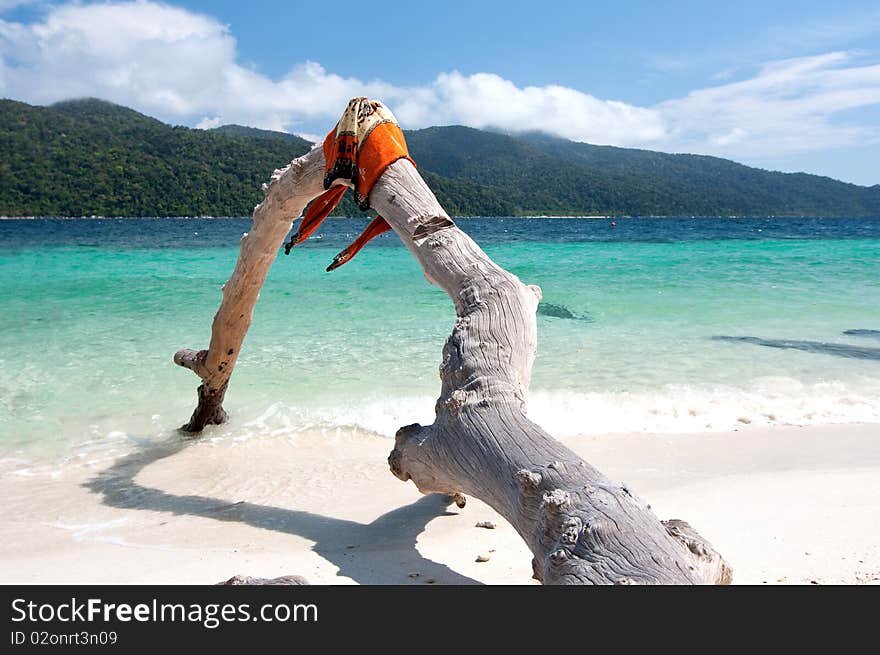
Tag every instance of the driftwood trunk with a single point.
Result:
(581, 527)
(288, 192)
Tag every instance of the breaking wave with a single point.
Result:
(565, 413)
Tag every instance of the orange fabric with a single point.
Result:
(374, 229)
(384, 146)
(340, 157)
(365, 141)
(317, 212)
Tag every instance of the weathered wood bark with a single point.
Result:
(288, 192)
(581, 527)
(238, 580)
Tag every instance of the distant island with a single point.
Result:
(93, 158)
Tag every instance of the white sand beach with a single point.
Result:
(795, 505)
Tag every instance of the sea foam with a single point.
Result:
(566, 413)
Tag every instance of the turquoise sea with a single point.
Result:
(652, 325)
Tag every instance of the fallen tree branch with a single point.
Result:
(581, 527)
(288, 192)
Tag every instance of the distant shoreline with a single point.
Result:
(107, 158)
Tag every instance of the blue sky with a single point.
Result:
(783, 85)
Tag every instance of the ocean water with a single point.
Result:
(655, 325)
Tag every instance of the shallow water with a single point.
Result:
(94, 309)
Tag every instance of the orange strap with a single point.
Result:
(374, 229)
(317, 212)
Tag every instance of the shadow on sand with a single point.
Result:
(368, 563)
(819, 347)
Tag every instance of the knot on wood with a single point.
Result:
(625, 581)
(556, 501)
(558, 556)
(535, 289)
(561, 538)
(571, 530)
(714, 569)
(528, 480)
(456, 400)
(395, 463)
(406, 432)
(435, 240)
(452, 367)
(194, 360)
(689, 537)
(429, 226)
(471, 297)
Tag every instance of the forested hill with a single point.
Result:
(89, 157)
(541, 174)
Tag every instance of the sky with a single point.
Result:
(791, 86)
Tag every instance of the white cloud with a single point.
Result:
(788, 107)
(183, 67)
(484, 100)
(209, 123)
(314, 138)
